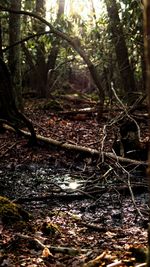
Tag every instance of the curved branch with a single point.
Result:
(25, 39)
(74, 42)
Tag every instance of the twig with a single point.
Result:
(7, 150)
(133, 198)
(126, 112)
(130, 190)
(114, 264)
(103, 141)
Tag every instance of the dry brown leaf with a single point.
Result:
(46, 253)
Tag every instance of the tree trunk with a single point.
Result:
(40, 68)
(51, 63)
(126, 72)
(61, 8)
(143, 66)
(14, 52)
(9, 113)
(1, 52)
(147, 59)
(40, 9)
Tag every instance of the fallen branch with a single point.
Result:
(86, 111)
(98, 228)
(39, 245)
(80, 149)
(124, 190)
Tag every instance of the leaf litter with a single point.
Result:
(95, 224)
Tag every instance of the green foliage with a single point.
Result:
(95, 37)
(28, 5)
(132, 19)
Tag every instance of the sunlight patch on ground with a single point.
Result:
(73, 185)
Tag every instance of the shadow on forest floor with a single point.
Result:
(81, 207)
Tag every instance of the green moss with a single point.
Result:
(11, 212)
(50, 229)
(52, 105)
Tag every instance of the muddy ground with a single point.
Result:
(85, 211)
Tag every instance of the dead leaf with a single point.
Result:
(46, 253)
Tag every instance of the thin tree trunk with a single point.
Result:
(1, 52)
(61, 8)
(14, 52)
(40, 68)
(51, 63)
(40, 9)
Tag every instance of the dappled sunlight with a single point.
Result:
(84, 8)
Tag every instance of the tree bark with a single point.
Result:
(61, 8)
(126, 72)
(14, 52)
(40, 66)
(1, 51)
(9, 113)
(51, 63)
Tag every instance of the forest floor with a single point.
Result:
(84, 211)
